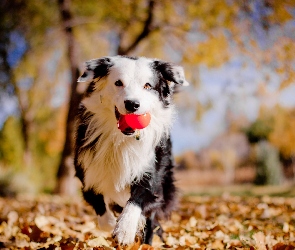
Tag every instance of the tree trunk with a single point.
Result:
(66, 183)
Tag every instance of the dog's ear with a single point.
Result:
(170, 76)
(96, 68)
(171, 72)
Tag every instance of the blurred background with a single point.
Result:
(236, 120)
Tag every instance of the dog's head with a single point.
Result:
(125, 85)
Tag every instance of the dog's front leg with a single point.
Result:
(132, 220)
(128, 224)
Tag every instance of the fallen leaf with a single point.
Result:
(97, 242)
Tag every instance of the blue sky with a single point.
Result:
(231, 87)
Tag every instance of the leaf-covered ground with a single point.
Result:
(201, 222)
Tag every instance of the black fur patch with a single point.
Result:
(163, 74)
(162, 87)
(150, 226)
(155, 192)
(95, 200)
(116, 208)
(100, 68)
(164, 166)
(79, 171)
(165, 69)
(84, 117)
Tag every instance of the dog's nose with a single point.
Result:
(132, 105)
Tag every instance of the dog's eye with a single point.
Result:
(119, 83)
(147, 86)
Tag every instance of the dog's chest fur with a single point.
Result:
(115, 160)
(115, 163)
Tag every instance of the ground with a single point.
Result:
(201, 222)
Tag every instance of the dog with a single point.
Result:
(127, 175)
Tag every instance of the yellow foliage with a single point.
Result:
(281, 10)
(194, 31)
(283, 134)
(212, 52)
(215, 13)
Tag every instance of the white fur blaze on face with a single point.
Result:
(133, 82)
(128, 224)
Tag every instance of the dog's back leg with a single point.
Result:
(106, 218)
(95, 200)
(152, 227)
(169, 193)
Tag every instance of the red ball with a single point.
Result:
(138, 121)
(134, 121)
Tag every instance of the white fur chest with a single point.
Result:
(117, 161)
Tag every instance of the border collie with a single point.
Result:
(127, 176)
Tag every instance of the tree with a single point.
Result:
(65, 174)
(269, 170)
(191, 32)
(18, 36)
(273, 135)
(283, 134)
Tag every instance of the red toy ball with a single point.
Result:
(134, 121)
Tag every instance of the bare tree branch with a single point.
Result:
(146, 31)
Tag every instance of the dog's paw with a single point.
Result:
(127, 225)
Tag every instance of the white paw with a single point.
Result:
(127, 225)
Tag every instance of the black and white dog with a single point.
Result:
(122, 175)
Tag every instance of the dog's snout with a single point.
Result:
(132, 105)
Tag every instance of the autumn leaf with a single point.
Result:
(201, 222)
